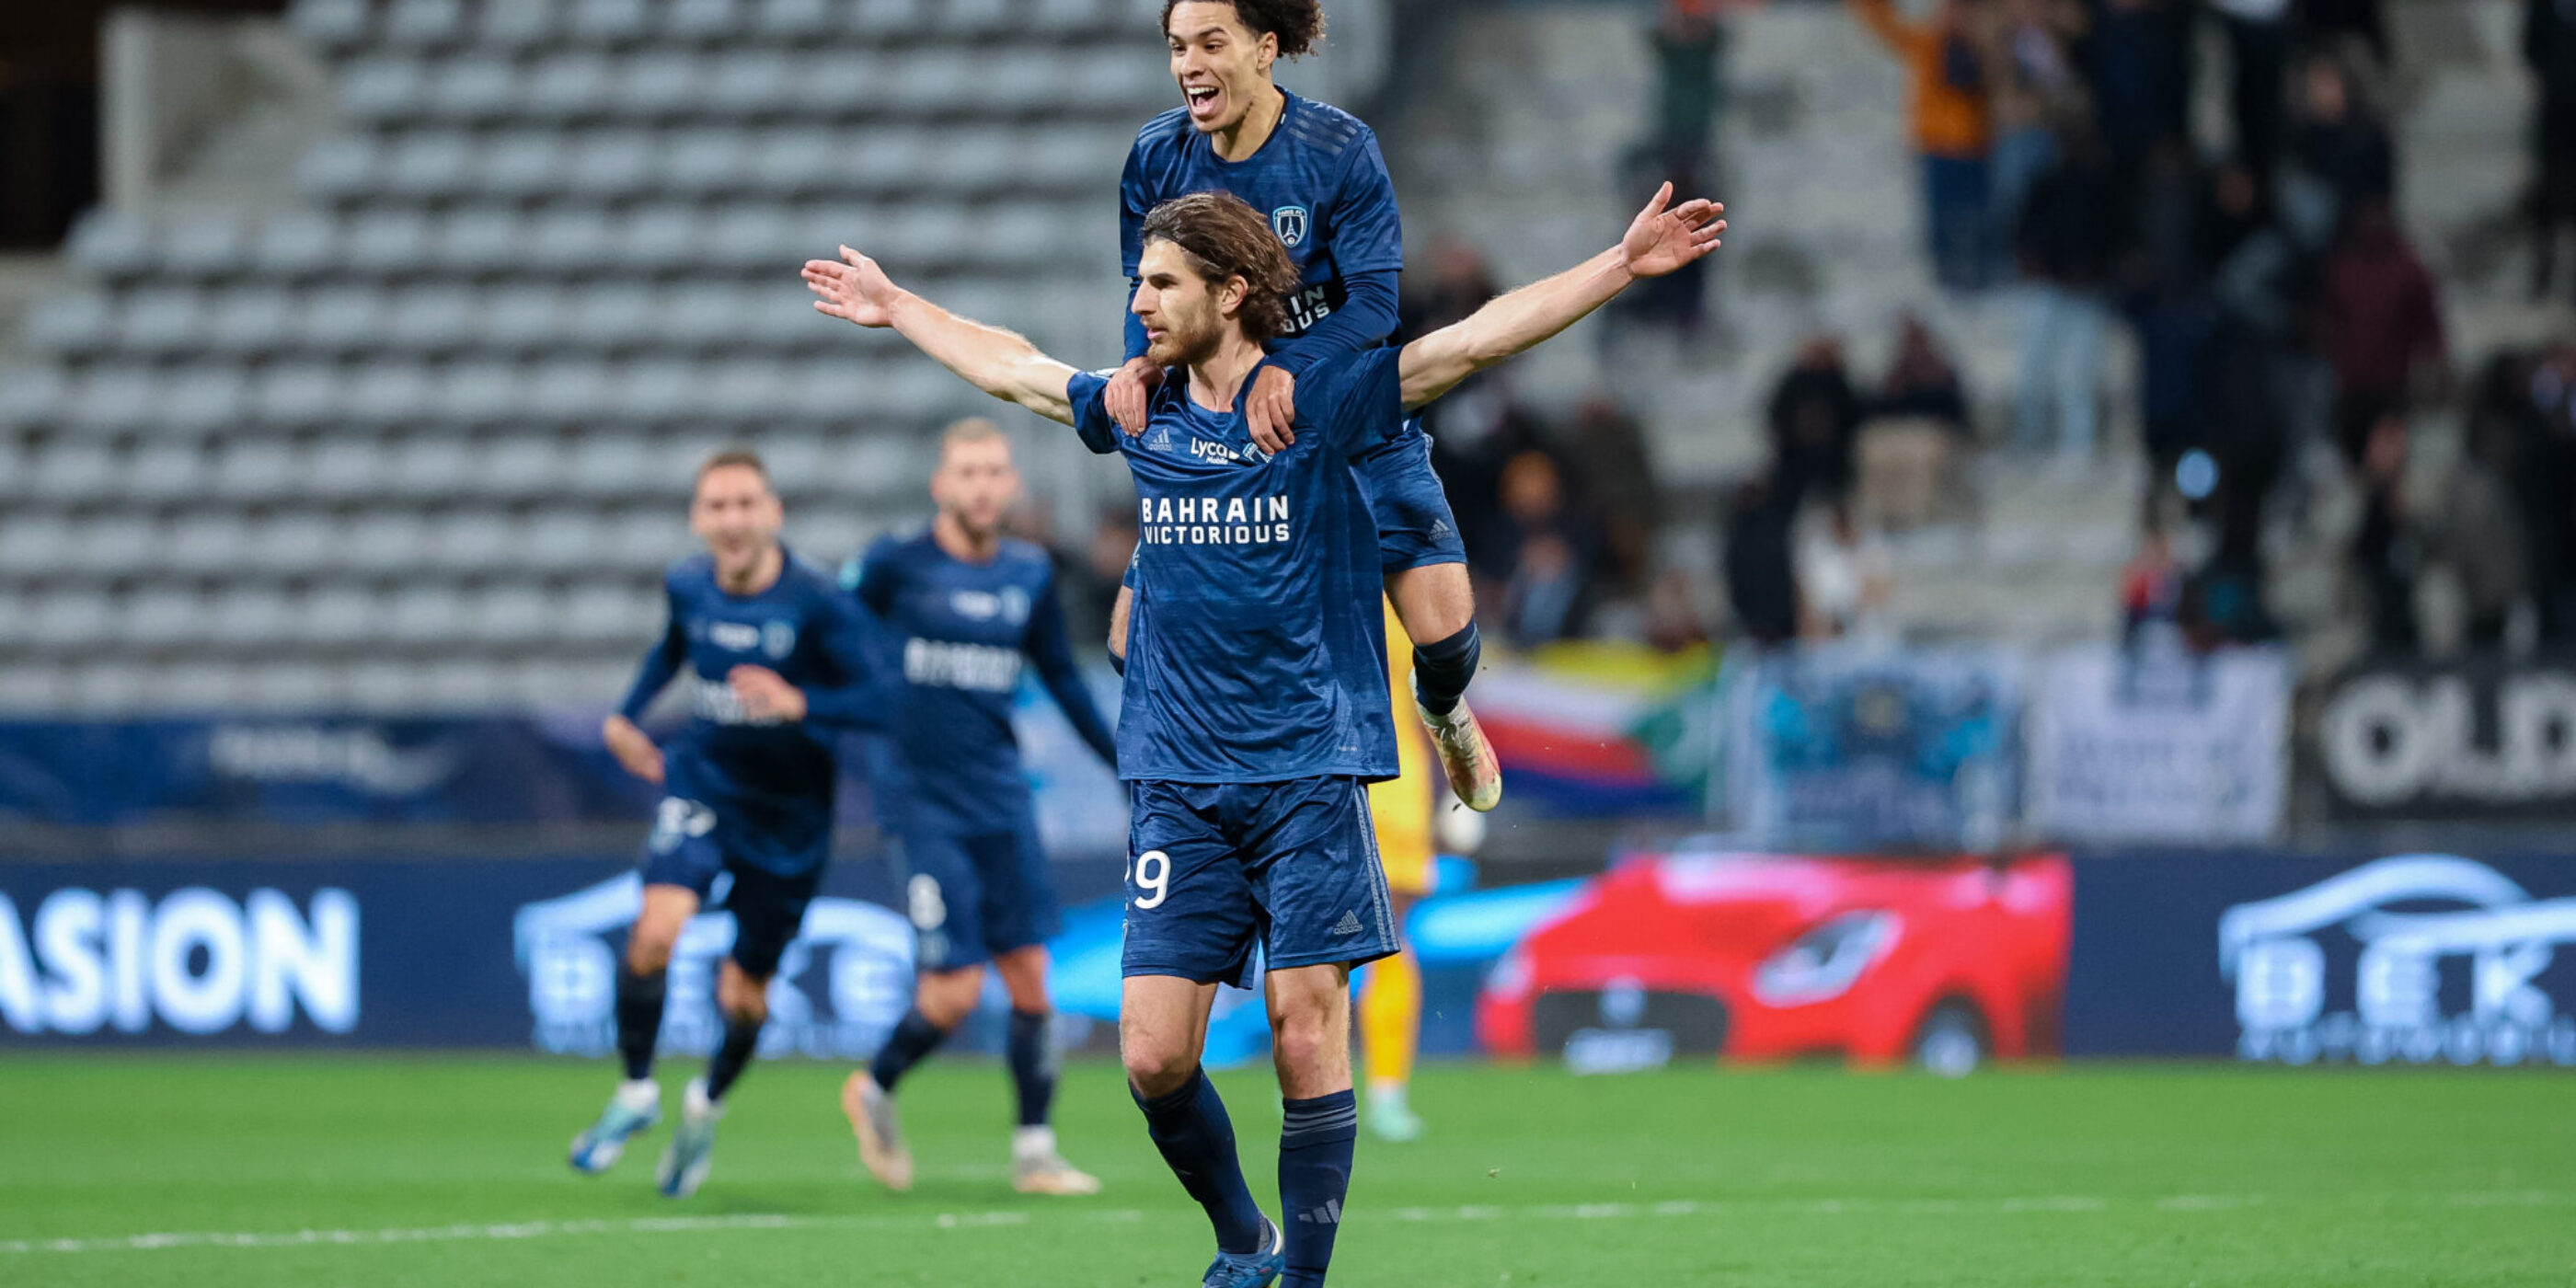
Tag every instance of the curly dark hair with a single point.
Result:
(1224, 238)
(1299, 24)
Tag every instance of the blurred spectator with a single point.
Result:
(2139, 61)
(1761, 586)
(2340, 158)
(2385, 554)
(1814, 417)
(1689, 46)
(1088, 578)
(2377, 321)
(2065, 244)
(1947, 87)
(1677, 301)
(2482, 535)
(2531, 399)
(2035, 96)
(1548, 593)
(1618, 478)
(2258, 50)
(1844, 576)
(1455, 282)
(2151, 590)
(1475, 430)
(2168, 305)
(1673, 621)
(2360, 23)
(1921, 380)
(2549, 46)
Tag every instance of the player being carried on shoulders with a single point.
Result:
(1315, 171)
(1250, 715)
(965, 606)
(777, 659)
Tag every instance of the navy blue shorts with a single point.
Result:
(1219, 871)
(975, 896)
(1414, 526)
(687, 849)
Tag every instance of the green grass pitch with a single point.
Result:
(447, 1171)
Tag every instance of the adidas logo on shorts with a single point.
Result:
(1348, 925)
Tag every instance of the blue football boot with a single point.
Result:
(633, 1110)
(1251, 1269)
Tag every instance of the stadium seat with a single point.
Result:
(431, 164)
(520, 318)
(434, 318)
(649, 538)
(114, 544)
(469, 542)
(840, 83)
(961, 17)
(512, 615)
(112, 245)
(657, 86)
(160, 618)
(258, 471)
(251, 319)
(383, 89)
(161, 473)
(204, 398)
(619, 315)
(569, 239)
(73, 325)
(747, 235)
(890, 20)
(478, 239)
(297, 394)
(518, 24)
(522, 163)
(608, 164)
(297, 244)
(560, 540)
(203, 543)
(294, 544)
(75, 472)
(385, 393)
(275, 685)
(345, 467)
(794, 22)
(423, 24)
(430, 466)
(204, 245)
(704, 315)
(609, 22)
(333, 26)
(703, 161)
(568, 87)
(425, 614)
(478, 391)
(707, 21)
(386, 242)
(114, 398)
(522, 466)
(662, 236)
(385, 543)
(645, 391)
(475, 88)
(33, 396)
(343, 318)
(340, 615)
(594, 613)
(568, 391)
(34, 546)
(751, 83)
(173, 323)
(1072, 17)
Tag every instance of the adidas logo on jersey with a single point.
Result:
(1348, 925)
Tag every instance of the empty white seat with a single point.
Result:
(653, 86)
(513, 614)
(478, 391)
(251, 616)
(342, 318)
(521, 163)
(34, 545)
(569, 239)
(387, 392)
(341, 615)
(479, 239)
(204, 245)
(704, 20)
(293, 544)
(74, 324)
(799, 160)
(569, 86)
(384, 542)
(115, 398)
(69, 619)
(607, 163)
(609, 22)
(753, 235)
(965, 17)
(794, 21)
(1072, 17)
(296, 244)
(471, 541)
(112, 245)
(205, 542)
(425, 614)
(560, 540)
(611, 464)
(518, 24)
(382, 88)
(702, 315)
(430, 466)
(642, 540)
(520, 317)
(568, 391)
(258, 470)
(751, 83)
(842, 82)
(74, 472)
(173, 324)
(664, 236)
(604, 613)
(888, 19)
(432, 163)
(278, 685)
(704, 161)
(380, 686)
(932, 80)
(746, 389)
(202, 398)
(423, 23)
(523, 465)
(481, 87)
(295, 394)
(250, 320)
(434, 318)
(331, 25)
(162, 472)
(346, 467)
(115, 545)
(383, 242)
(647, 390)
(341, 169)
(617, 316)
(33, 395)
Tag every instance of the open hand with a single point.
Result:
(633, 748)
(764, 694)
(1661, 240)
(1269, 407)
(853, 288)
(1125, 396)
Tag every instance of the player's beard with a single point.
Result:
(1189, 342)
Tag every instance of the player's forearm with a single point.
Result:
(653, 676)
(1073, 697)
(999, 362)
(1366, 318)
(1510, 324)
(860, 707)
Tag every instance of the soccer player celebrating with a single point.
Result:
(967, 605)
(1250, 717)
(772, 649)
(1315, 170)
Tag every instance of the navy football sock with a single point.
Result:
(1197, 1140)
(1315, 1144)
(1441, 669)
(639, 1018)
(1033, 1065)
(740, 1040)
(912, 1039)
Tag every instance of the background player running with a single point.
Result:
(1250, 716)
(1317, 174)
(965, 605)
(771, 649)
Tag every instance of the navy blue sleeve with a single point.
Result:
(1367, 234)
(1052, 651)
(1356, 402)
(1091, 411)
(871, 577)
(661, 662)
(1134, 199)
(1366, 318)
(859, 701)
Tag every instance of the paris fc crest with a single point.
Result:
(1290, 223)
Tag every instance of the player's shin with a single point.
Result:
(912, 1041)
(1033, 1065)
(1316, 1139)
(639, 1018)
(1443, 668)
(1196, 1138)
(741, 1038)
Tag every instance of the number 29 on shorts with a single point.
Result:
(1153, 878)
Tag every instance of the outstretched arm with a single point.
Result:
(999, 362)
(1658, 241)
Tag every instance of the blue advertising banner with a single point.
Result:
(1853, 747)
(2401, 959)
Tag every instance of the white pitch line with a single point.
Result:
(1672, 1208)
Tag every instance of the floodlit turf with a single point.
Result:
(447, 1172)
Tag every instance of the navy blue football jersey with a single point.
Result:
(1320, 180)
(1255, 653)
(960, 633)
(779, 772)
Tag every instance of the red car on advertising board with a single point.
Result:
(1768, 957)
